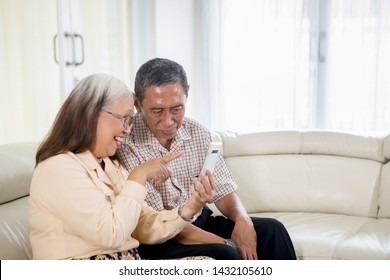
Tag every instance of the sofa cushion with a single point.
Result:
(307, 183)
(342, 144)
(370, 241)
(17, 165)
(14, 230)
(312, 171)
(302, 142)
(262, 143)
(330, 236)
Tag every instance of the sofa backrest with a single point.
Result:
(312, 171)
(384, 191)
(17, 163)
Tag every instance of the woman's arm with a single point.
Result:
(160, 226)
(68, 190)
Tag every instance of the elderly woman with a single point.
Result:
(83, 203)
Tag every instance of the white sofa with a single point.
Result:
(16, 167)
(331, 190)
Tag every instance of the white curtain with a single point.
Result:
(106, 27)
(269, 72)
(358, 84)
(251, 64)
(29, 76)
(276, 73)
(29, 92)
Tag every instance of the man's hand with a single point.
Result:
(245, 237)
(243, 233)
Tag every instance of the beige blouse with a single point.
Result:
(78, 210)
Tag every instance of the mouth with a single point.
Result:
(169, 130)
(119, 140)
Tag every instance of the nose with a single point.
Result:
(167, 119)
(127, 129)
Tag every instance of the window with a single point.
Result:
(305, 64)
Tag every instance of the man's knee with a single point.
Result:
(267, 223)
(269, 228)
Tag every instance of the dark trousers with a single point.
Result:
(273, 241)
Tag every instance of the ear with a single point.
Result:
(137, 105)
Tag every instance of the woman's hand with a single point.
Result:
(154, 169)
(201, 192)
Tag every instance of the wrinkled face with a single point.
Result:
(112, 128)
(163, 110)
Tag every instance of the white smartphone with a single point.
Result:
(212, 156)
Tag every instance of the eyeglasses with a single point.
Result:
(127, 121)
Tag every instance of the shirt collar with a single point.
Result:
(110, 176)
(89, 160)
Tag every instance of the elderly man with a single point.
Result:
(159, 128)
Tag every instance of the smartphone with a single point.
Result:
(212, 157)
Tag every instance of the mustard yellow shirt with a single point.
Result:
(78, 210)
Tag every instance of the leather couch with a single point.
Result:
(17, 163)
(331, 190)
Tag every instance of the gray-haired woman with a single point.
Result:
(83, 203)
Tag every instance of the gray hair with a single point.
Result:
(74, 128)
(158, 72)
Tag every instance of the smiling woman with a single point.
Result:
(76, 125)
(77, 179)
(112, 127)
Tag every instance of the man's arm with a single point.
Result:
(193, 235)
(243, 234)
